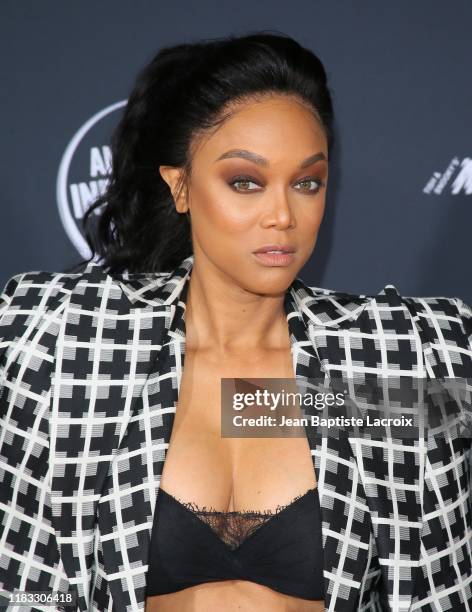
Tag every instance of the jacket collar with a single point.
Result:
(314, 315)
(317, 306)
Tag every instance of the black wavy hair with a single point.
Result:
(183, 91)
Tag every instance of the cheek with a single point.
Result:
(309, 218)
(223, 213)
(234, 219)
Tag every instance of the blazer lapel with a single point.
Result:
(363, 486)
(112, 401)
(127, 502)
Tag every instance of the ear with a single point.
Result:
(174, 177)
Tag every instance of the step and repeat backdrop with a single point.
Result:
(399, 203)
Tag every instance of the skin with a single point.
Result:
(236, 324)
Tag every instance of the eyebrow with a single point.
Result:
(262, 161)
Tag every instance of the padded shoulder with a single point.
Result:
(29, 295)
(442, 308)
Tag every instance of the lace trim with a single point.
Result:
(203, 510)
(235, 526)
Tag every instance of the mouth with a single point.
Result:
(275, 255)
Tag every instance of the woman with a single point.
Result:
(111, 492)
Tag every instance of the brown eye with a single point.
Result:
(241, 183)
(311, 181)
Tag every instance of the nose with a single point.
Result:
(279, 213)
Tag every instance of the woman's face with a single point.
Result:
(259, 180)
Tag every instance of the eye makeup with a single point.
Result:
(242, 178)
(245, 178)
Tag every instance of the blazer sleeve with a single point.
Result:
(29, 556)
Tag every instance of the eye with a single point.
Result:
(311, 180)
(244, 181)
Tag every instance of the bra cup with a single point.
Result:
(286, 552)
(283, 553)
(183, 550)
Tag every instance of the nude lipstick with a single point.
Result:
(275, 255)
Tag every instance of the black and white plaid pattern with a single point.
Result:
(90, 368)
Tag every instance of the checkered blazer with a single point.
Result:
(90, 368)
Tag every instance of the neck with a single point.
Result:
(224, 317)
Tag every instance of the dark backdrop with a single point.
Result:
(399, 204)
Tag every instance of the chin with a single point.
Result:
(270, 283)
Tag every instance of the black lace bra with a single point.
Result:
(280, 549)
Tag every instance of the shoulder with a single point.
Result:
(432, 306)
(31, 288)
(451, 314)
(24, 301)
(38, 294)
(89, 287)
(28, 298)
(439, 312)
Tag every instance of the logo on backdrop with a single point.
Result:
(457, 178)
(84, 172)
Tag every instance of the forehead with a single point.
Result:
(275, 126)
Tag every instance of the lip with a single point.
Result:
(287, 248)
(284, 258)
